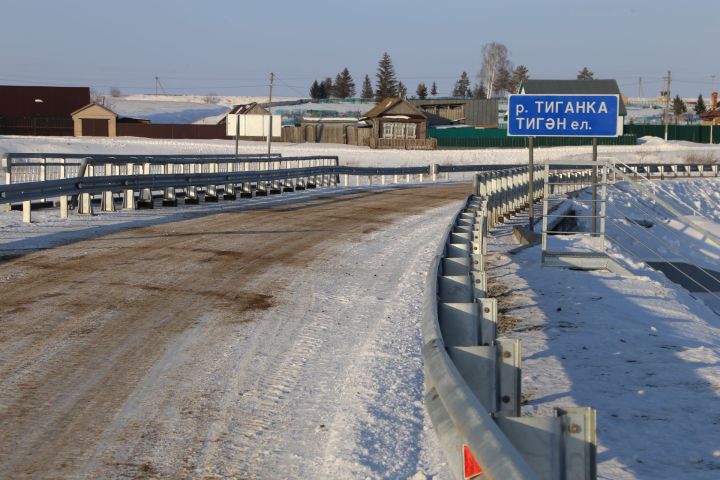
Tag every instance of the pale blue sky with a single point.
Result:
(229, 47)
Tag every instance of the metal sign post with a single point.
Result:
(531, 181)
(269, 137)
(564, 116)
(237, 133)
(594, 186)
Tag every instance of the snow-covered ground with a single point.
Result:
(640, 229)
(651, 150)
(639, 349)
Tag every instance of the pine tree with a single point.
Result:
(328, 87)
(386, 84)
(678, 107)
(315, 90)
(502, 81)
(367, 90)
(433, 90)
(344, 85)
(402, 90)
(462, 85)
(421, 91)
(479, 92)
(519, 75)
(700, 105)
(585, 74)
(322, 92)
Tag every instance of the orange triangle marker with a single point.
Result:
(471, 467)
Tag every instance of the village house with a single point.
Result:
(396, 123)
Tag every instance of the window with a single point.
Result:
(410, 132)
(399, 130)
(387, 130)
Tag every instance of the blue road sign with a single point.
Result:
(563, 115)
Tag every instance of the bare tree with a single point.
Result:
(96, 96)
(115, 92)
(211, 98)
(495, 57)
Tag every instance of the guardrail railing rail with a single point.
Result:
(473, 376)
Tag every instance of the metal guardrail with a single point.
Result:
(473, 377)
(29, 167)
(195, 172)
(668, 170)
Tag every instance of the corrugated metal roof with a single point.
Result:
(23, 101)
(573, 87)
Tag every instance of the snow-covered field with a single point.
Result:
(209, 109)
(651, 150)
(641, 350)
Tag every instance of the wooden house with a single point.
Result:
(396, 123)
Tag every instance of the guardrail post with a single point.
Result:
(85, 204)
(128, 193)
(346, 179)
(229, 193)
(434, 168)
(26, 215)
(63, 206)
(107, 202)
(211, 190)
(145, 200)
(6, 167)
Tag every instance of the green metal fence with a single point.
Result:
(497, 138)
(690, 133)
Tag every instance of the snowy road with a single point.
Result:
(277, 343)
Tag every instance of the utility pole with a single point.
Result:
(712, 84)
(641, 92)
(269, 138)
(156, 85)
(667, 104)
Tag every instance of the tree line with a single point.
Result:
(497, 77)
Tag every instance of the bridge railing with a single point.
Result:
(473, 380)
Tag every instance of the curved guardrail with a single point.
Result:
(473, 376)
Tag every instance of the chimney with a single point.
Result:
(713, 102)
